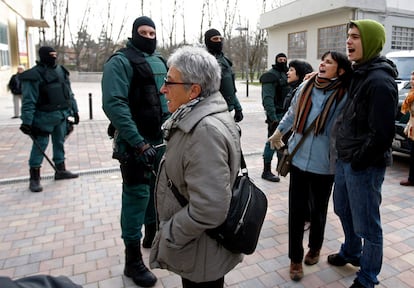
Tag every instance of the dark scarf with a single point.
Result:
(305, 102)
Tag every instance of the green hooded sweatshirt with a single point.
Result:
(372, 37)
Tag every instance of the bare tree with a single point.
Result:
(229, 16)
(257, 61)
(223, 14)
(42, 37)
(203, 9)
(82, 37)
(142, 7)
(183, 17)
(59, 11)
(172, 25)
(162, 31)
(258, 48)
(109, 38)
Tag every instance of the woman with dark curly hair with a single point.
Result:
(317, 102)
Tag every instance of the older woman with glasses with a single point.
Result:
(201, 162)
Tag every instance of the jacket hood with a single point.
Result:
(379, 62)
(372, 37)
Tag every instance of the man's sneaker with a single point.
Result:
(338, 260)
(357, 284)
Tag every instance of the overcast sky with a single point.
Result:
(248, 10)
(192, 8)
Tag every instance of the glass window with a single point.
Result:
(402, 38)
(4, 46)
(332, 38)
(297, 45)
(404, 66)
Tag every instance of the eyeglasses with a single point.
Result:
(167, 83)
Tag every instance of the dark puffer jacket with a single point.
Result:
(366, 130)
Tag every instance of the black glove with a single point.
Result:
(146, 152)
(76, 116)
(26, 129)
(238, 116)
(69, 128)
(111, 131)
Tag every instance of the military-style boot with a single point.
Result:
(62, 173)
(268, 175)
(135, 268)
(150, 230)
(34, 185)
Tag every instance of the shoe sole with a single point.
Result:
(296, 277)
(141, 284)
(64, 178)
(356, 264)
(310, 263)
(271, 180)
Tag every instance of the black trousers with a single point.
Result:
(219, 283)
(307, 191)
(411, 171)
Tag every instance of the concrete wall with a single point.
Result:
(309, 16)
(11, 12)
(76, 76)
(310, 25)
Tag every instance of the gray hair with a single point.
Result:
(198, 66)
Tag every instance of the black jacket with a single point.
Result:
(366, 130)
(14, 85)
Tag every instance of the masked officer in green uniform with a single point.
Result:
(131, 82)
(274, 91)
(47, 103)
(214, 44)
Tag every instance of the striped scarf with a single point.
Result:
(305, 102)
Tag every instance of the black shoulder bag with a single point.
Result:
(241, 230)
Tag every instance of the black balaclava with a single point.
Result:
(302, 68)
(282, 67)
(144, 44)
(213, 47)
(45, 57)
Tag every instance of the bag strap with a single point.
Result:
(182, 200)
(307, 131)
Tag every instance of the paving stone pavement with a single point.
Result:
(72, 227)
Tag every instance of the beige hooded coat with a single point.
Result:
(202, 159)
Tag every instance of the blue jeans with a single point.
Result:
(357, 199)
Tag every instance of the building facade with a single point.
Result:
(16, 38)
(306, 29)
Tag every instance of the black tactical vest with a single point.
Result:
(54, 88)
(144, 97)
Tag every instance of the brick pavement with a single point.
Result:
(72, 227)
